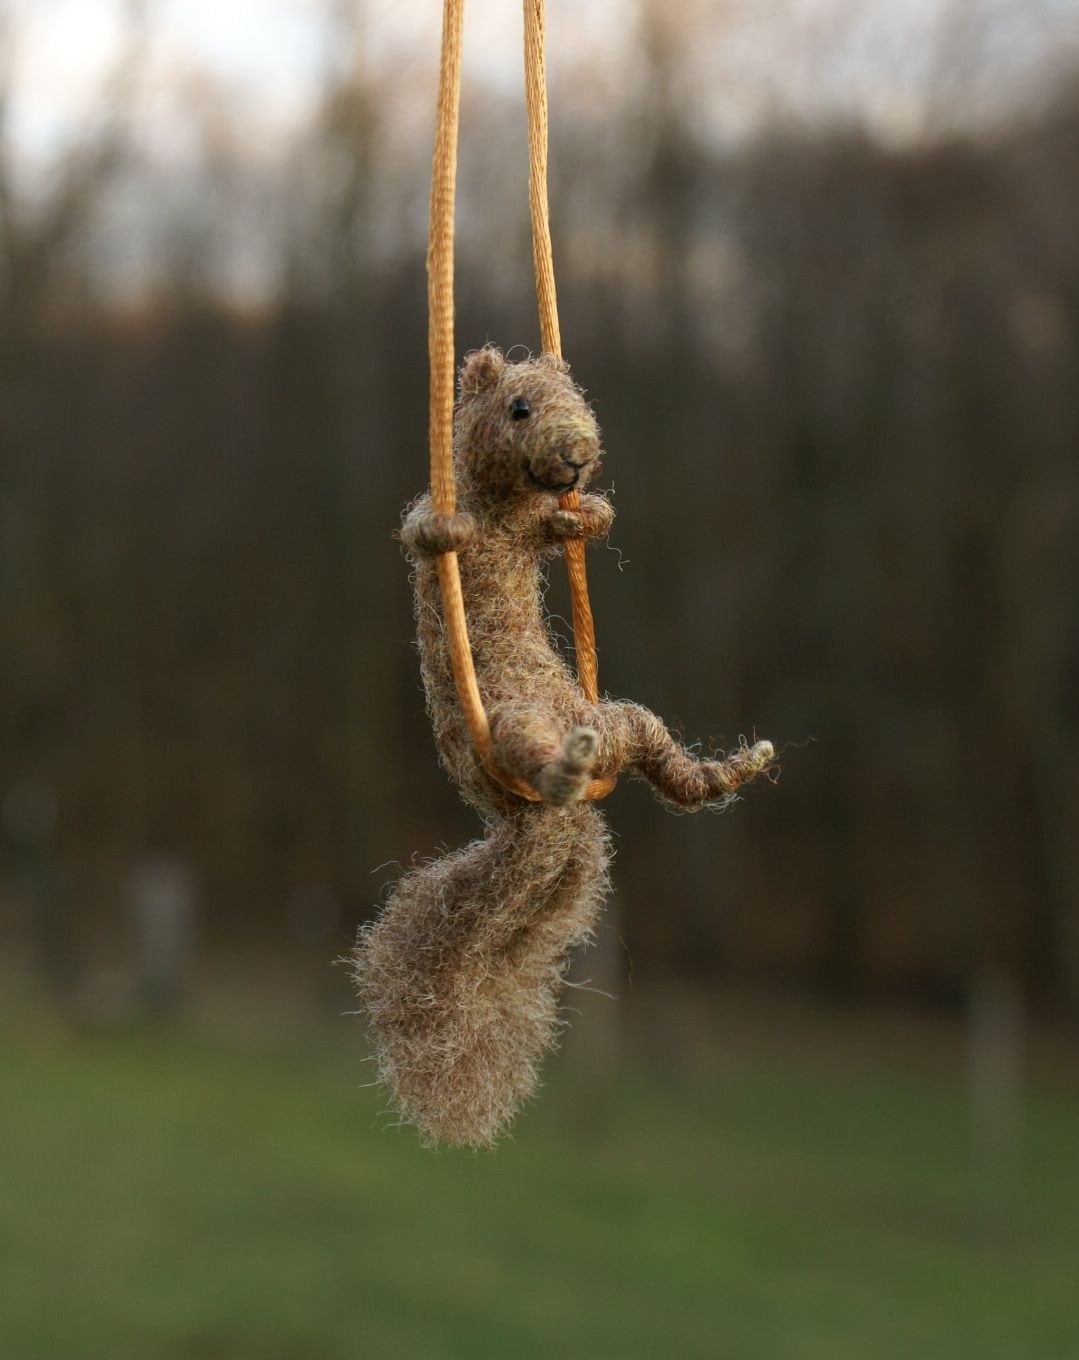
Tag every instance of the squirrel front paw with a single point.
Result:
(565, 779)
(429, 534)
(592, 519)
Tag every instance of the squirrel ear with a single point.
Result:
(481, 370)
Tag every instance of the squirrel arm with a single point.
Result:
(592, 519)
(426, 534)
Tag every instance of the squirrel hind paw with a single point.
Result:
(580, 748)
(565, 779)
(748, 763)
(760, 754)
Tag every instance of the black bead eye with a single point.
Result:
(520, 409)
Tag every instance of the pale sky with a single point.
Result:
(870, 59)
(251, 72)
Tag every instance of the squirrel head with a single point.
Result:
(522, 428)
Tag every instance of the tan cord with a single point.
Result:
(542, 250)
(441, 353)
(584, 628)
(584, 631)
(442, 363)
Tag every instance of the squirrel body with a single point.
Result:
(461, 972)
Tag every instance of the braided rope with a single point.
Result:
(441, 354)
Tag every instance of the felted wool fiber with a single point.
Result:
(461, 972)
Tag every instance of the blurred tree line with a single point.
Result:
(839, 386)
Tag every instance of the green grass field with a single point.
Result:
(164, 1195)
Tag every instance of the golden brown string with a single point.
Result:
(441, 353)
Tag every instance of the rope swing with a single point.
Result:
(442, 358)
(461, 972)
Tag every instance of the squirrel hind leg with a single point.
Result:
(688, 782)
(528, 742)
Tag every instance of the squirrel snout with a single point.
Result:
(577, 453)
(561, 465)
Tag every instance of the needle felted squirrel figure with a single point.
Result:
(461, 972)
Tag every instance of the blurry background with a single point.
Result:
(819, 271)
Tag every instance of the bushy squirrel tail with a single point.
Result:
(460, 973)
